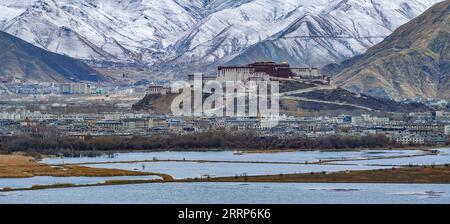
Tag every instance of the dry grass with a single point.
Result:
(420, 175)
(19, 166)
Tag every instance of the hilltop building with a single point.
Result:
(205, 78)
(266, 71)
(157, 90)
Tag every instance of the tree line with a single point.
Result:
(198, 141)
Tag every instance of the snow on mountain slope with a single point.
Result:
(313, 34)
(204, 33)
(19, 59)
(231, 30)
(117, 30)
(345, 28)
(11, 8)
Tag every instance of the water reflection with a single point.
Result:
(300, 157)
(240, 164)
(44, 180)
(440, 159)
(181, 170)
(234, 193)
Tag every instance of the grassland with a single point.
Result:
(417, 175)
(407, 175)
(20, 166)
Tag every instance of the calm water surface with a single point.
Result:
(301, 157)
(29, 182)
(182, 170)
(235, 193)
(442, 158)
(371, 160)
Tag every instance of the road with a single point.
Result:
(300, 91)
(327, 102)
(288, 96)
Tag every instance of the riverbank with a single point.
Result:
(426, 149)
(21, 166)
(319, 162)
(406, 175)
(397, 147)
(416, 175)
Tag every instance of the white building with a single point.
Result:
(410, 139)
(234, 74)
(200, 76)
(447, 129)
(157, 90)
(75, 88)
(306, 72)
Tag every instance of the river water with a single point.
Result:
(236, 193)
(300, 157)
(230, 163)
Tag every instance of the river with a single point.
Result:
(230, 163)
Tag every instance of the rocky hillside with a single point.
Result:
(306, 97)
(19, 59)
(345, 100)
(413, 61)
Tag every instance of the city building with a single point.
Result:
(410, 139)
(435, 139)
(75, 88)
(136, 123)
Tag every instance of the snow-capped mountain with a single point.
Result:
(116, 30)
(302, 32)
(203, 33)
(24, 61)
(414, 61)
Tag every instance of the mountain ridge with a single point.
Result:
(19, 59)
(175, 36)
(412, 62)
